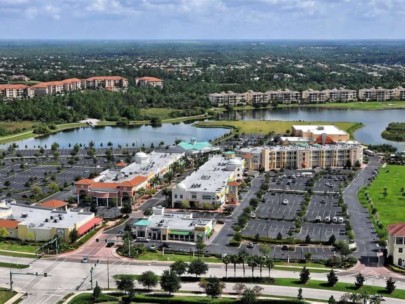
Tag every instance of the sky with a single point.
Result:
(202, 19)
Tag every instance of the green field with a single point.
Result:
(13, 265)
(395, 131)
(6, 295)
(162, 113)
(14, 246)
(279, 127)
(370, 105)
(390, 207)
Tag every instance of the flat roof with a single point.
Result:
(151, 163)
(211, 176)
(319, 129)
(173, 221)
(35, 216)
(298, 147)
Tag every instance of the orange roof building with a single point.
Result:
(396, 243)
(54, 204)
(9, 224)
(15, 91)
(149, 82)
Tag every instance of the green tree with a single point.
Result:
(332, 239)
(179, 267)
(253, 262)
(234, 259)
(148, 279)
(250, 295)
(125, 283)
(304, 275)
(269, 264)
(170, 282)
(200, 246)
(73, 235)
(226, 260)
(243, 259)
(332, 278)
(390, 286)
(96, 292)
(359, 281)
(300, 297)
(213, 286)
(308, 239)
(3, 233)
(126, 208)
(53, 187)
(197, 267)
(332, 300)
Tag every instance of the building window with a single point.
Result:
(399, 241)
(194, 196)
(175, 196)
(400, 250)
(181, 195)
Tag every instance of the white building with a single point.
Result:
(209, 185)
(173, 226)
(396, 243)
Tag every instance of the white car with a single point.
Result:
(285, 201)
(335, 219)
(318, 219)
(252, 215)
(298, 174)
(327, 219)
(341, 220)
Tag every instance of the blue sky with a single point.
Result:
(202, 19)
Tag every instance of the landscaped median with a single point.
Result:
(6, 295)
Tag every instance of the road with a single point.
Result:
(67, 275)
(362, 226)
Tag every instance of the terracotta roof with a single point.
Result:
(53, 204)
(396, 229)
(121, 164)
(247, 156)
(47, 84)
(70, 80)
(89, 225)
(85, 182)
(233, 184)
(12, 86)
(102, 185)
(150, 79)
(106, 78)
(134, 182)
(12, 224)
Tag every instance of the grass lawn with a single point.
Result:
(17, 254)
(88, 298)
(158, 256)
(265, 127)
(162, 113)
(370, 105)
(27, 248)
(6, 295)
(11, 126)
(12, 265)
(390, 208)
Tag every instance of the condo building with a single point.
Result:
(173, 226)
(111, 83)
(149, 82)
(334, 95)
(15, 91)
(396, 244)
(119, 185)
(214, 183)
(377, 94)
(320, 134)
(301, 156)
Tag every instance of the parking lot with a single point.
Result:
(289, 180)
(267, 228)
(323, 206)
(321, 231)
(282, 206)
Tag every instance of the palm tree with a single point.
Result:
(243, 258)
(269, 264)
(226, 260)
(262, 262)
(234, 259)
(253, 262)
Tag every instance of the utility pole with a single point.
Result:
(91, 277)
(26, 273)
(108, 275)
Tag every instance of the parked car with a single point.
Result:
(252, 215)
(335, 219)
(85, 259)
(327, 219)
(341, 220)
(318, 219)
(142, 240)
(285, 201)
(153, 247)
(250, 245)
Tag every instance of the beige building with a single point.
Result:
(111, 83)
(48, 88)
(301, 156)
(282, 96)
(149, 82)
(377, 94)
(334, 95)
(15, 91)
(320, 134)
(396, 243)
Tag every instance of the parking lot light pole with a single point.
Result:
(91, 277)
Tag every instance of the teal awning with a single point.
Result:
(142, 223)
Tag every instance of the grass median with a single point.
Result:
(6, 295)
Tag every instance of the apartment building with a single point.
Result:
(228, 98)
(377, 94)
(72, 84)
(48, 88)
(176, 226)
(15, 91)
(396, 243)
(301, 156)
(119, 185)
(334, 95)
(400, 93)
(149, 82)
(282, 96)
(214, 183)
(111, 83)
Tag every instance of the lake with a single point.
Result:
(375, 122)
(134, 135)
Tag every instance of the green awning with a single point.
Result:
(180, 232)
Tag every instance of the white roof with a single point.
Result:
(319, 129)
(177, 221)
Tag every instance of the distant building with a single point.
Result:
(334, 95)
(54, 205)
(39, 224)
(377, 94)
(48, 88)
(396, 243)
(15, 91)
(193, 147)
(19, 78)
(149, 82)
(110, 83)
(120, 184)
(320, 134)
(173, 226)
(210, 183)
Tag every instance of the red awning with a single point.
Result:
(89, 225)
